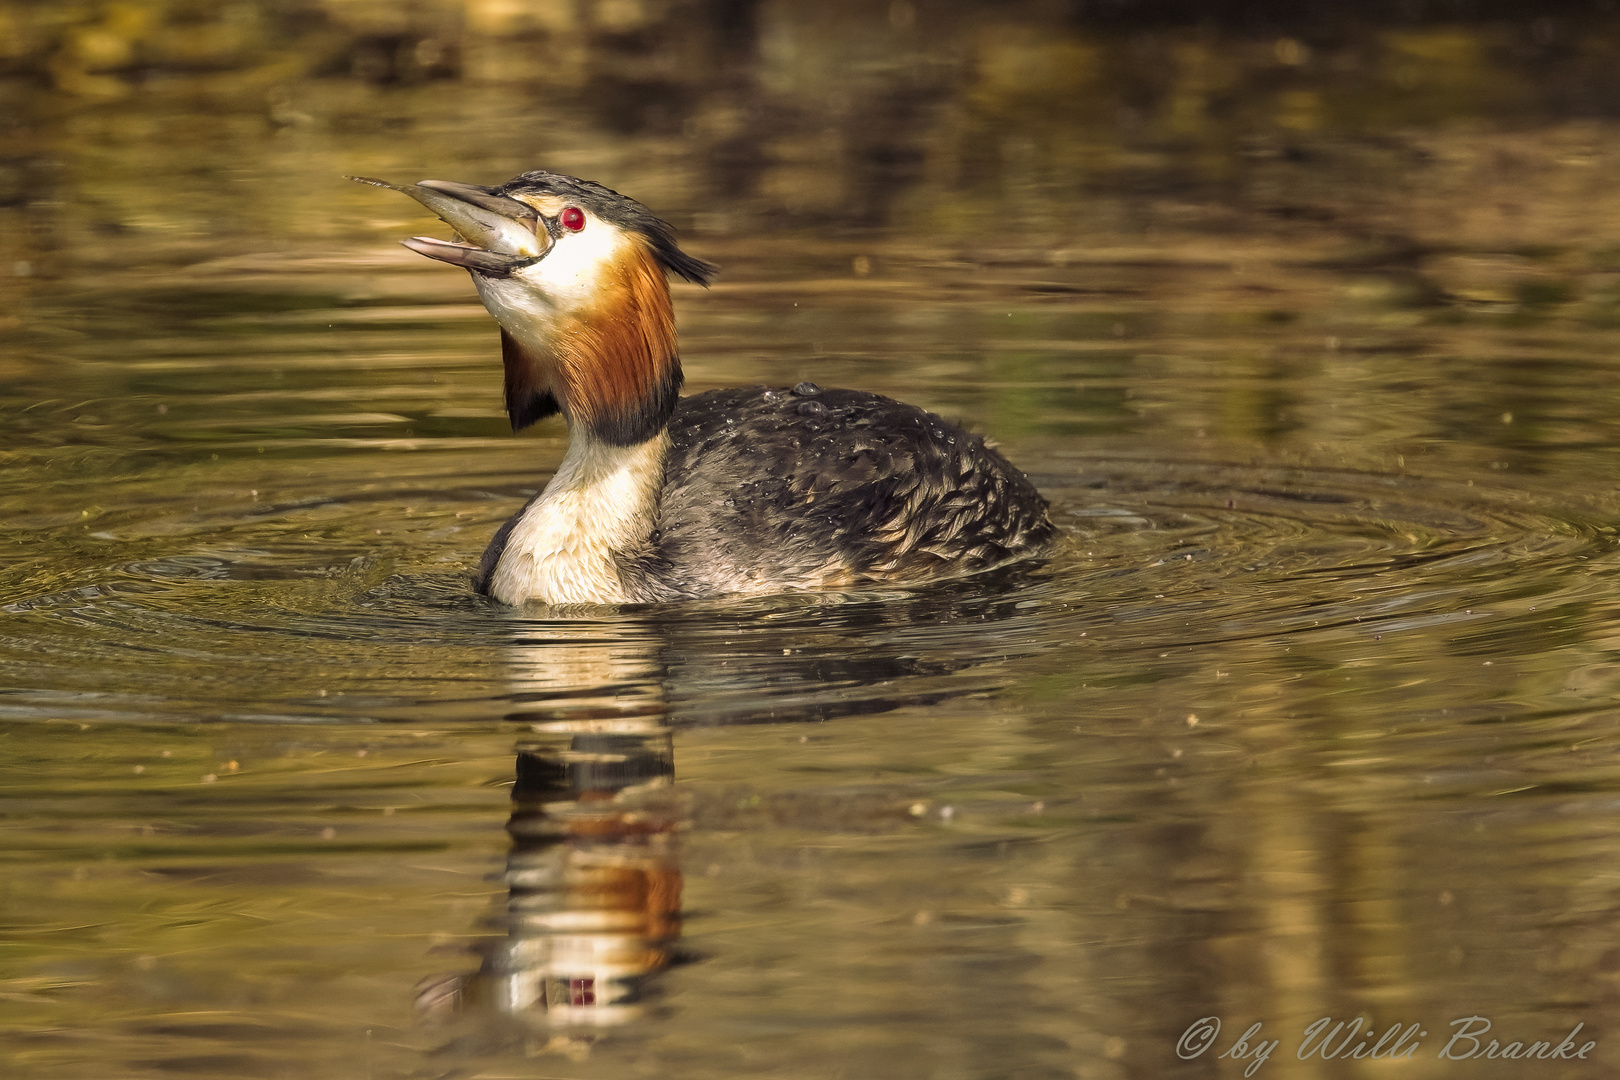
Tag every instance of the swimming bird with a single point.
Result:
(732, 492)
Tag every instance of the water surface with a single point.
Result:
(1312, 713)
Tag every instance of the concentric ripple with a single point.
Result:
(278, 604)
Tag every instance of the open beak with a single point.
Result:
(501, 234)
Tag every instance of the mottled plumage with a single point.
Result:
(766, 490)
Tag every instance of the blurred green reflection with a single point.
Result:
(1303, 318)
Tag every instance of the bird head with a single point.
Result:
(577, 276)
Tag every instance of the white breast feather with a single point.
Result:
(602, 501)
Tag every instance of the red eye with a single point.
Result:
(573, 219)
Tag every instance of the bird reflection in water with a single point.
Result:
(592, 913)
(594, 900)
(593, 904)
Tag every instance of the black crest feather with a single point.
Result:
(622, 211)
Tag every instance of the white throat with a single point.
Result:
(602, 502)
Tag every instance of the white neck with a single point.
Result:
(602, 502)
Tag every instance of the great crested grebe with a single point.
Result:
(742, 491)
